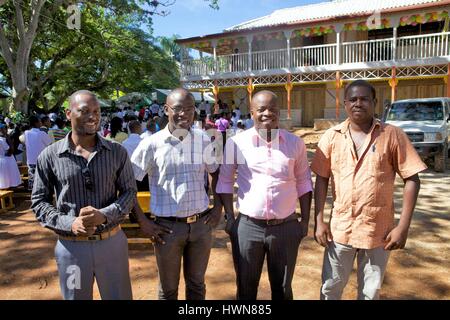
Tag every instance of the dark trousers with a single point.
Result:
(251, 242)
(190, 243)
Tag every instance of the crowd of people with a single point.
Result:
(24, 141)
(93, 177)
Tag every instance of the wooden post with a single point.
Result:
(446, 80)
(338, 86)
(393, 82)
(288, 87)
(250, 89)
(215, 90)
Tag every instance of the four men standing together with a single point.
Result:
(95, 188)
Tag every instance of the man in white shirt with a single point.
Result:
(134, 138)
(35, 141)
(154, 108)
(176, 159)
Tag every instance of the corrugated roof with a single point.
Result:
(326, 10)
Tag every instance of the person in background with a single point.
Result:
(116, 133)
(35, 141)
(57, 132)
(9, 171)
(46, 124)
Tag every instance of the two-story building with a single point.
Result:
(306, 54)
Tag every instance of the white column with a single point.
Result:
(288, 34)
(338, 28)
(395, 21)
(249, 41)
(214, 45)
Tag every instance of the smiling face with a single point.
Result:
(84, 114)
(180, 109)
(265, 112)
(360, 105)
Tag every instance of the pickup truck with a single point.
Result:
(427, 124)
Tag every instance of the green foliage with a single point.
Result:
(110, 52)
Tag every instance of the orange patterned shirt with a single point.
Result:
(363, 189)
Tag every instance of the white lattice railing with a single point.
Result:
(380, 50)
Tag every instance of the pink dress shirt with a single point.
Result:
(271, 176)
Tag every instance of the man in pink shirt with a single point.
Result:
(273, 173)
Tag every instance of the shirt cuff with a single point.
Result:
(111, 212)
(65, 223)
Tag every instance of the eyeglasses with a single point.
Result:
(184, 110)
(87, 179)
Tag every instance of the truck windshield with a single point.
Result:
(416, 111)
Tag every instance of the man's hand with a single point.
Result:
(92, 216)
(214, 216)
(80, 227)
(322, 233)
(152, 230)
(396, 239)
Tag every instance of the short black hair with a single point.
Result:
(360, 83)
(34, 121)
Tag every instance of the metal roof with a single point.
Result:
(327, 10)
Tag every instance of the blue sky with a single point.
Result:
(190, 18)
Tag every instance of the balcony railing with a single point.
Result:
(380, 50)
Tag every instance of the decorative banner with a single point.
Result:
(416, 19)
(313, 31)
(226, 44)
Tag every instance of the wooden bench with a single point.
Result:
(143, 198)
(6, 200)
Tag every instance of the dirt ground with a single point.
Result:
(420, 271)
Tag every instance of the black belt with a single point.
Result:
(273, 222)
(190, 219)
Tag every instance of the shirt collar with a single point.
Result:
(166, 135)
(344, 126)
(65, 145)
(256, 137)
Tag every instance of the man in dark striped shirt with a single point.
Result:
(95, 189)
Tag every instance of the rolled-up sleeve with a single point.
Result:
(301, 170)
(42, 198)
(140, 159)
(227, 169)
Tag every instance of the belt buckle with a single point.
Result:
(191, 219)
(272, 222)
(94, 237)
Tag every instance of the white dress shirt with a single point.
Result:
(131, 143)
(35, 141)
(176, 171)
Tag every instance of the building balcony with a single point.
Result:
(417, 50)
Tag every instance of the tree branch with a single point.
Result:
(6, 50)
(19, 18)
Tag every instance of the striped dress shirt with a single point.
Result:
(176, 171)
(105, 181)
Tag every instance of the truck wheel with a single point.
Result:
(440, 160)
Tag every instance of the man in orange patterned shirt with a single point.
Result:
(362, 156)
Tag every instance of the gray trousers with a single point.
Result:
(337, 266)
(251, 242)
(192, 243)
(106, 260)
